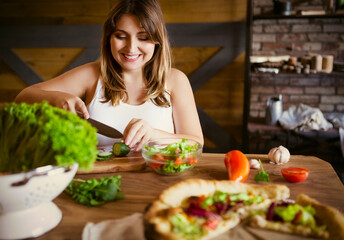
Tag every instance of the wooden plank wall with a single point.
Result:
(221, 98)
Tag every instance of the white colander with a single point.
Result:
(27, 210)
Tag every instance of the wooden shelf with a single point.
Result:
(278, 16)
(285, 74)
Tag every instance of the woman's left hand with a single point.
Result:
(137, 132)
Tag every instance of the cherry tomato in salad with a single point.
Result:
(238, 166)
(294, 174)
(156, 165)
(191, 160)
(178, 161)
(158, 157)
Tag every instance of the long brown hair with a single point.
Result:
(150, 16)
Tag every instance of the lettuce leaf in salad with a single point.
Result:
(172, 168)
(173, 148)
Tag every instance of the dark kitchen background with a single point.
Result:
(212, 41)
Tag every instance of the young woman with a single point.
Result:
(132, 87)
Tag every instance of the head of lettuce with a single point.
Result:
(39, 134)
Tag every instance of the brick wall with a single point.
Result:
(323, 91)
(297, 37)
(266, 6)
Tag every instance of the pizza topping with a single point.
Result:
(221, 208)
(196, 210)
(293, 213)
(297, 217)
(184, 227)
(231, 199)
(270, 213)
(212, 207)
(212, 224)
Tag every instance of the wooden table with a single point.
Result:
(142, 187)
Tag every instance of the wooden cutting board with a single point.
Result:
(132, 162)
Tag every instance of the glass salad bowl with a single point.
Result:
(26, 206)
(171, 156)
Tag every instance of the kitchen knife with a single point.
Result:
(104, 129)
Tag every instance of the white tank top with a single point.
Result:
(119, 116)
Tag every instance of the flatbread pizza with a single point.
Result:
(203, 209)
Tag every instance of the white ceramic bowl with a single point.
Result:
(27, 210)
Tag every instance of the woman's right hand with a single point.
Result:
(68, 102)
(136, 133)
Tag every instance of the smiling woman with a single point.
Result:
(132, 87)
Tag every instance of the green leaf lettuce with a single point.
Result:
(34, 135)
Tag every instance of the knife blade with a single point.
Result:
(104, 129)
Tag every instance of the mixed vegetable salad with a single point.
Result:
(173, 158)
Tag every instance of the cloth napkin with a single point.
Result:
(304, 118)
(127, 228)
(341, 135)
(337, 119)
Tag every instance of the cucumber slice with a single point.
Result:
(102, 156)
(120, 149)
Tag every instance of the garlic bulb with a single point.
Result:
(279, 155)
(254, 164)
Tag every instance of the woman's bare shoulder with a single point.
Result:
(92, 66)
(176, 78)
(176, 73)
(76, 81)
(88, 71)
